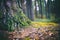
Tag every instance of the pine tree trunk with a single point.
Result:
(40, 8)
(36, 13)
(30, 12)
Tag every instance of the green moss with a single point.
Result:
(17, 17)
(27, 38)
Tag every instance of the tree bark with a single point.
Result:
(30, 12)
(40, 8)
(36, 13)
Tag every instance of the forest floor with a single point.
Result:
(39, 31)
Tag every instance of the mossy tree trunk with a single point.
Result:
(11, 16)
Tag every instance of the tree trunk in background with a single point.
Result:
(57, 8)
(36, 13)
(23, 6)
(48, 9)
(40, 8)
(30, 12)
(45, 9)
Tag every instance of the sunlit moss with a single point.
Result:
(43, 24)
(27, 38)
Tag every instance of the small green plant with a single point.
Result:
(27, 38)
